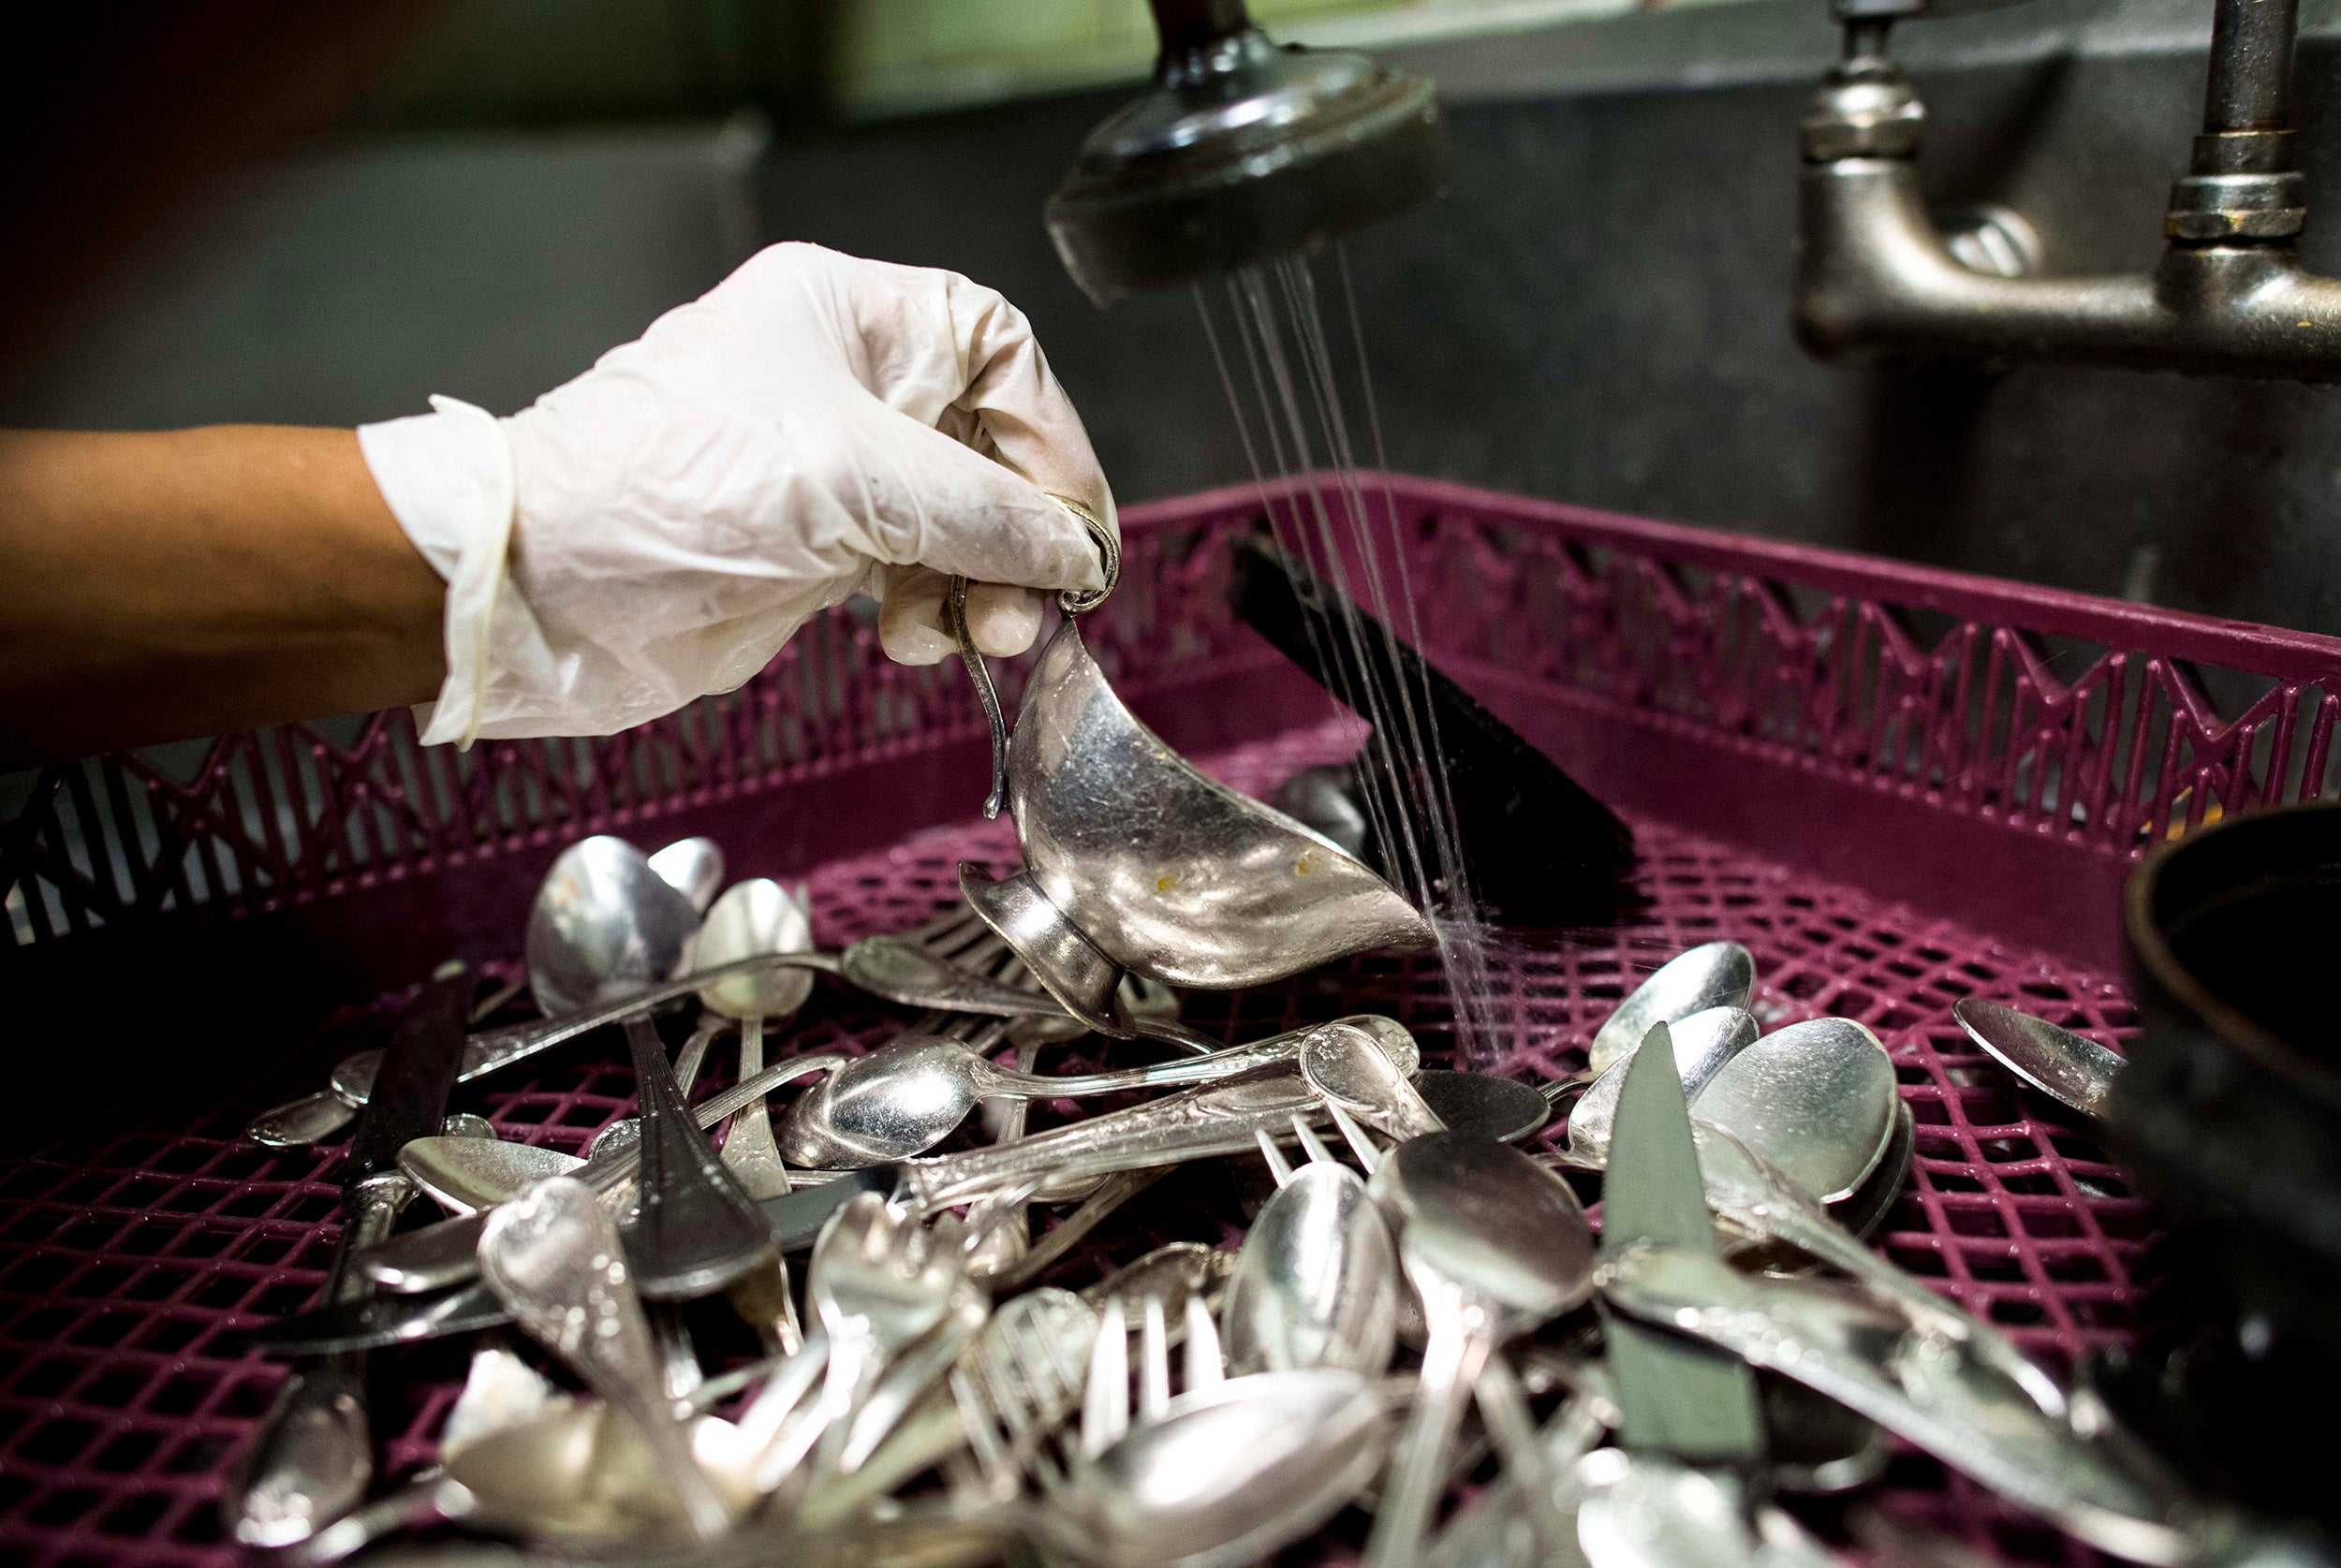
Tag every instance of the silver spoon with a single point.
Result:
(693, 868)
(1226, 1474)
(552, 1257)
(1316, 1283)
(1817, 1099)
(1497, 1245)
(1714, 975)
(466, 1175)
(907, 1096)
(2071, 1069)
(1703, 1041)
(752, 917)
(605, 925)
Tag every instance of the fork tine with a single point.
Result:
(1309, 1144)
(1106, 1399)
(983, 1437)
(1154, 1366)
(1202, 1366)
(1277, 1166)
(1363, 1147)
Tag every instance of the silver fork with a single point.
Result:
(879, 1282)
(1106, 1415)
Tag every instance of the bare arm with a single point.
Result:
(190, 582)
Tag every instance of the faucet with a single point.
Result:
(1876, 277)
(1240, 150)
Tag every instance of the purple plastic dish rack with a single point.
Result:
(1899, 786)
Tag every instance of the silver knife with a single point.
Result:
(1674, 1398)
(312, 1457)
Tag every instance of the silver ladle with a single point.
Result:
(905, 1097)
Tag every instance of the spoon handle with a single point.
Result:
(492, 1049)
(443, 1255)
(552, 1256)
(1186, 1069)
(1216, 1119)
(749, 1151)
(697, 1229)
(1453, 1360)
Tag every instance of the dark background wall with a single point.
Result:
(1597, 311)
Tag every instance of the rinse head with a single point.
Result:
(1242, 150)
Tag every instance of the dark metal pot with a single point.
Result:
(2229, 1115)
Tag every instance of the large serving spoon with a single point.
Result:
(2071, 1069)
(907, 1096)
(1496, 1246)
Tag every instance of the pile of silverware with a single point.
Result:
(1421, 1303)
(1198, 1406)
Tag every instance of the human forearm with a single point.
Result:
(189, 582)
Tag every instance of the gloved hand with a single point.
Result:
(814, 426)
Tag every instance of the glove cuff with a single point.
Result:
(448, 479)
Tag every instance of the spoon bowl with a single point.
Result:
(898, 1100)
(1316, 1283)
(1229, 1474)
(604, 927)
(1491, 1219)
(1816, 1099)
(1703, 1041)
(1713, 975)
(580, 1477)
(693, 868)
(1505, 1109)
(2071, 1069)
(466, 1175)
(752, 918)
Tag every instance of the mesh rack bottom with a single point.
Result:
(132, 1259)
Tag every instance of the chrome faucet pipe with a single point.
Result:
(2251, 65)
(1876, 277)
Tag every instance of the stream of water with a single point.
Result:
(1291, 386)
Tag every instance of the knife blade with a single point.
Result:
(373, 1323)
(1675, 1398)
(312, 1460)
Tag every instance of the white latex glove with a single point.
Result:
(814, 427)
